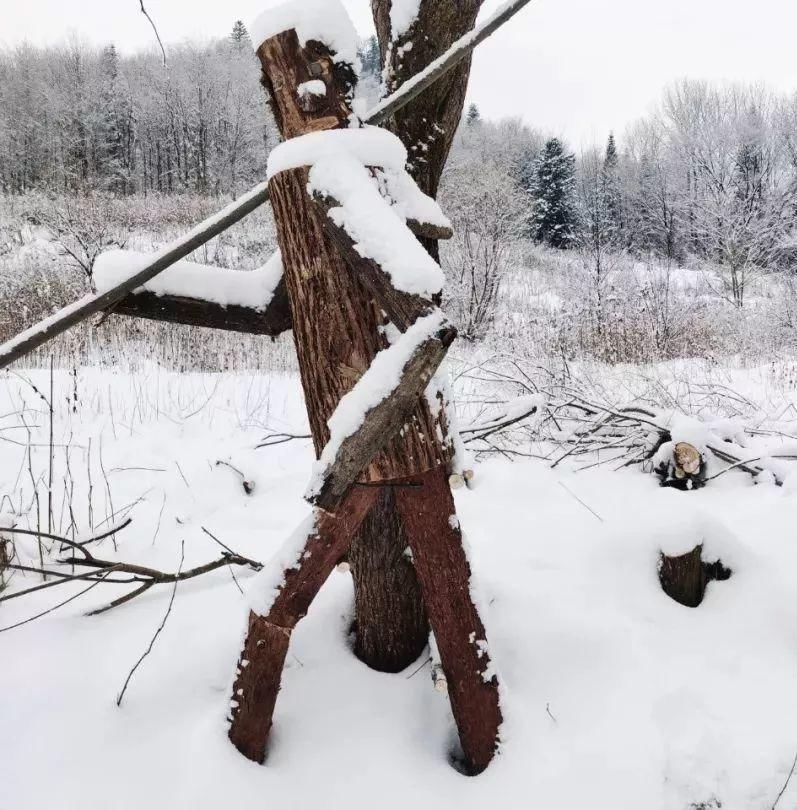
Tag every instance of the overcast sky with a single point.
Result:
(577, 68)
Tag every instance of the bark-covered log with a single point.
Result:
(402, 309)
(336, 332)
(260, 666)
(684, 578)
(443, 569)
(384, 420)
(272, 321)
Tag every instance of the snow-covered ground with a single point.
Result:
(616, 696)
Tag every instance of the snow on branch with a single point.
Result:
(254, 289)
(89, 305)
(375, 409)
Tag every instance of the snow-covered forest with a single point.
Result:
(568, 573)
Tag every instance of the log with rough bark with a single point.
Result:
(260, 666)
(272, 321)
(384, 420)
(443, 569)
(335, 328)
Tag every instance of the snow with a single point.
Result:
(266, 585)
(409, 202)
(403, 14)
(321, 20)
(379, 381)
(253, 289)
(315, 87)
(377, 230)
(616, 696)
(371, 146)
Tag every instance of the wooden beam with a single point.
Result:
(383, 421)
(272, 321)
(459, 51)
(89, 305)
(402, 309)
(262, 658)
(444, 572)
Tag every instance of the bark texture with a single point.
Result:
(260, 666)
(273, 321)
(391, 632)
(684, 578)
(335, 330)
(444, 573)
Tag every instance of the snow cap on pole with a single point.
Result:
(325, 21)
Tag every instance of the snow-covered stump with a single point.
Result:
(443, 569)
(685, 577)
(282, 595)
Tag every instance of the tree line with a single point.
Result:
(710, 174)
(74, 117)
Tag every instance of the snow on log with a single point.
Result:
(216, 285)
(280, 597)
(403, 14)
(376, 408)
(324, 21)
(371, 146)
(254, 303)
(89, 305)
(386, 155)
(375, 228)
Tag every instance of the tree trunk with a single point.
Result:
(391, 630)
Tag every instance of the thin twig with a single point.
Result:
(786, 783)
(60, 604)
(154, 28)
(160, 627)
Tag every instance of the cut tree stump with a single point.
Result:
(684, 578)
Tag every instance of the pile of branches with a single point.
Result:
(557, 417)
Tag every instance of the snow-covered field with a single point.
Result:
(616, 696)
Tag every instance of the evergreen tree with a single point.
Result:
(473, 115)
(240, 36)
(553, 219)
(112, 123)
(612, 194)
(370, 58)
